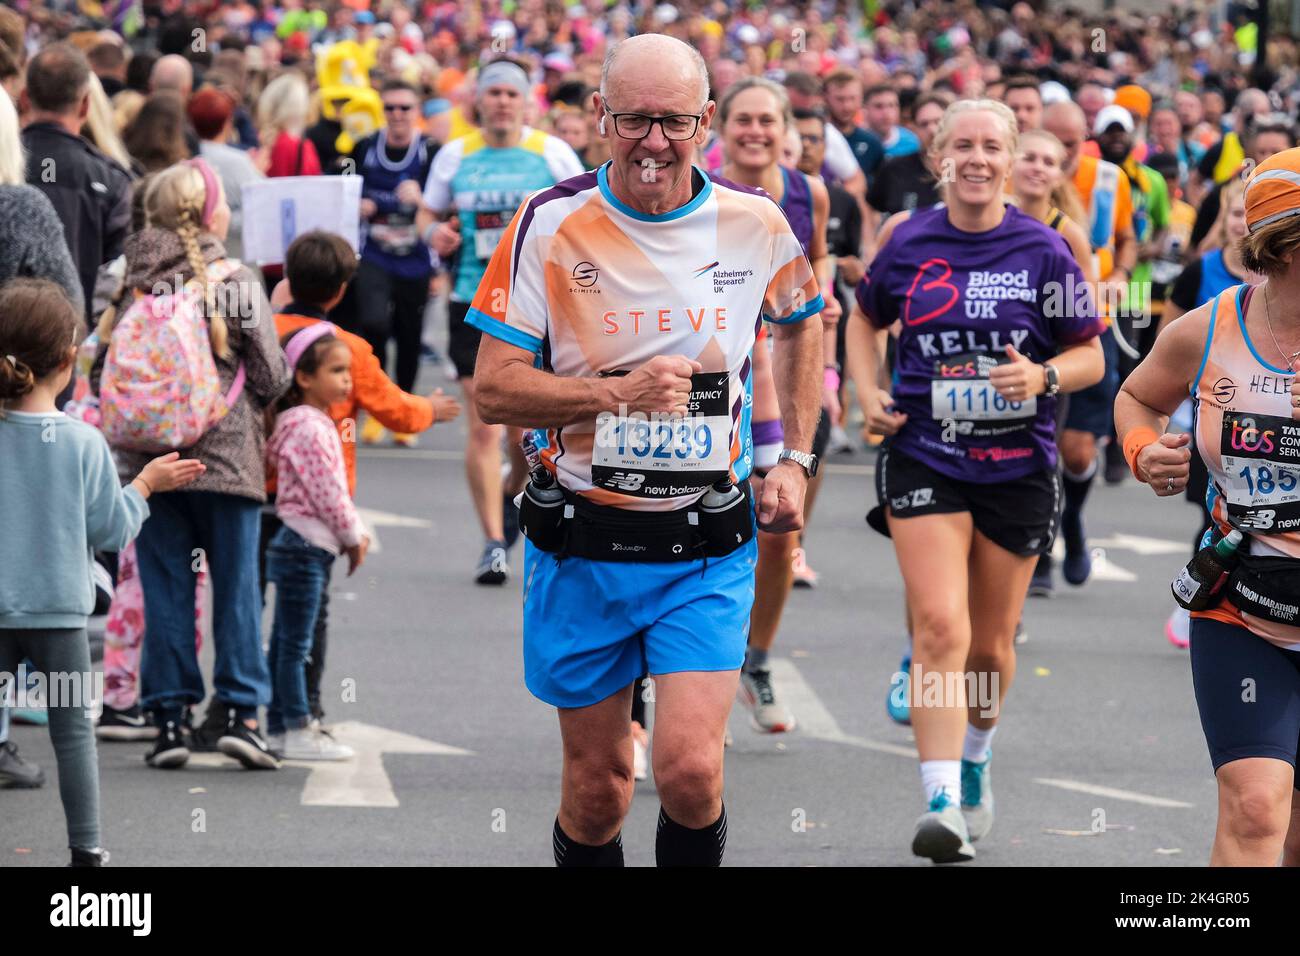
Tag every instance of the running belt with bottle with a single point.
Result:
(1251, 447)
(595, 288)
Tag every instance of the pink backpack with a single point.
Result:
(160, 390)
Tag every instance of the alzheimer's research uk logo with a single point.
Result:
(723, 278)
(35, 690)
(77, 909)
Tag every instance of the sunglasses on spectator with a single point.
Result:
(398, 107)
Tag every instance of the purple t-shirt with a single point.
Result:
(963, 297)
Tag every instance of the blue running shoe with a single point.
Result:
(977, 797)
(898, 701)
(1077, 566)
(941, 833)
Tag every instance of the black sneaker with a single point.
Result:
(492, 567)
(170, 751)
(203, 739)
(132, 724)
(96, 856)
(246, 745)
(17, 773)
(510, 519)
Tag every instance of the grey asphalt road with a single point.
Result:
(1099, 757)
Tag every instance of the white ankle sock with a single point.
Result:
(939, 775)
(978, 742)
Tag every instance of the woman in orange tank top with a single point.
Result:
(1237, 355)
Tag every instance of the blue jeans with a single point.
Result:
(300, 571)
(224, 529)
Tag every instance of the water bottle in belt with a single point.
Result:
(1200, 583)
(541, 506)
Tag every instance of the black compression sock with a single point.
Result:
(569, 852)
(676, 845)
(1076, 493)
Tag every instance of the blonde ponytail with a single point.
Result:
(175, 201)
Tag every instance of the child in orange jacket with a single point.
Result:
(318, 266)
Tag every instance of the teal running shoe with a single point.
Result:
(977, 796)
(898, 702)
(941, 833)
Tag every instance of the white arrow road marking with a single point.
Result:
(1130, 795)
(814, 720)
(1103, 568)
(387, 519)
(359, 782)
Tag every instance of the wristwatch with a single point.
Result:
(1053, 379)
(802, 458)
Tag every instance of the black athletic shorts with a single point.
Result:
(1018, 515)
(463, 339)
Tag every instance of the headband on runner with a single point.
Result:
(1273, 190)
(503, 73)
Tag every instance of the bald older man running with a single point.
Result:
(620, 310)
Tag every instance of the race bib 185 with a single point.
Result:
(1260, 455)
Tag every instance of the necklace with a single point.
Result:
(1268, 318)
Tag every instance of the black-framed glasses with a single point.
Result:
(676, 126)
(398, 107)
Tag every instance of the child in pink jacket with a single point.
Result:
(320, 522)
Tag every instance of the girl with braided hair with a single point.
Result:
(214, 523)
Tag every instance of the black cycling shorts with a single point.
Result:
(1018, 515)
(1226, 660)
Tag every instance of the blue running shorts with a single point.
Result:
(593, 627)
(1092, 409)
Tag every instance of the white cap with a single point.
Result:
(1053, 92)
(1108, 116)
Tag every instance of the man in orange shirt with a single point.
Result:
(1105, 193)
(318, 266)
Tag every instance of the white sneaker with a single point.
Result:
(275, 742)
(309, 744)
(640, 766)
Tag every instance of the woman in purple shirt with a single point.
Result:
(995, 319)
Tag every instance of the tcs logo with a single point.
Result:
(1246, 437)
(932, 275)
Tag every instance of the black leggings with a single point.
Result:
(1247, 692)
(388, 306)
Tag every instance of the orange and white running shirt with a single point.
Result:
(594, 287)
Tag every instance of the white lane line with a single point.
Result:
(438, 454)
(815, 721)
(1113, 793)
(1140, 544)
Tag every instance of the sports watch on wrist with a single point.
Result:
(801, 458)
(1052, 378)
